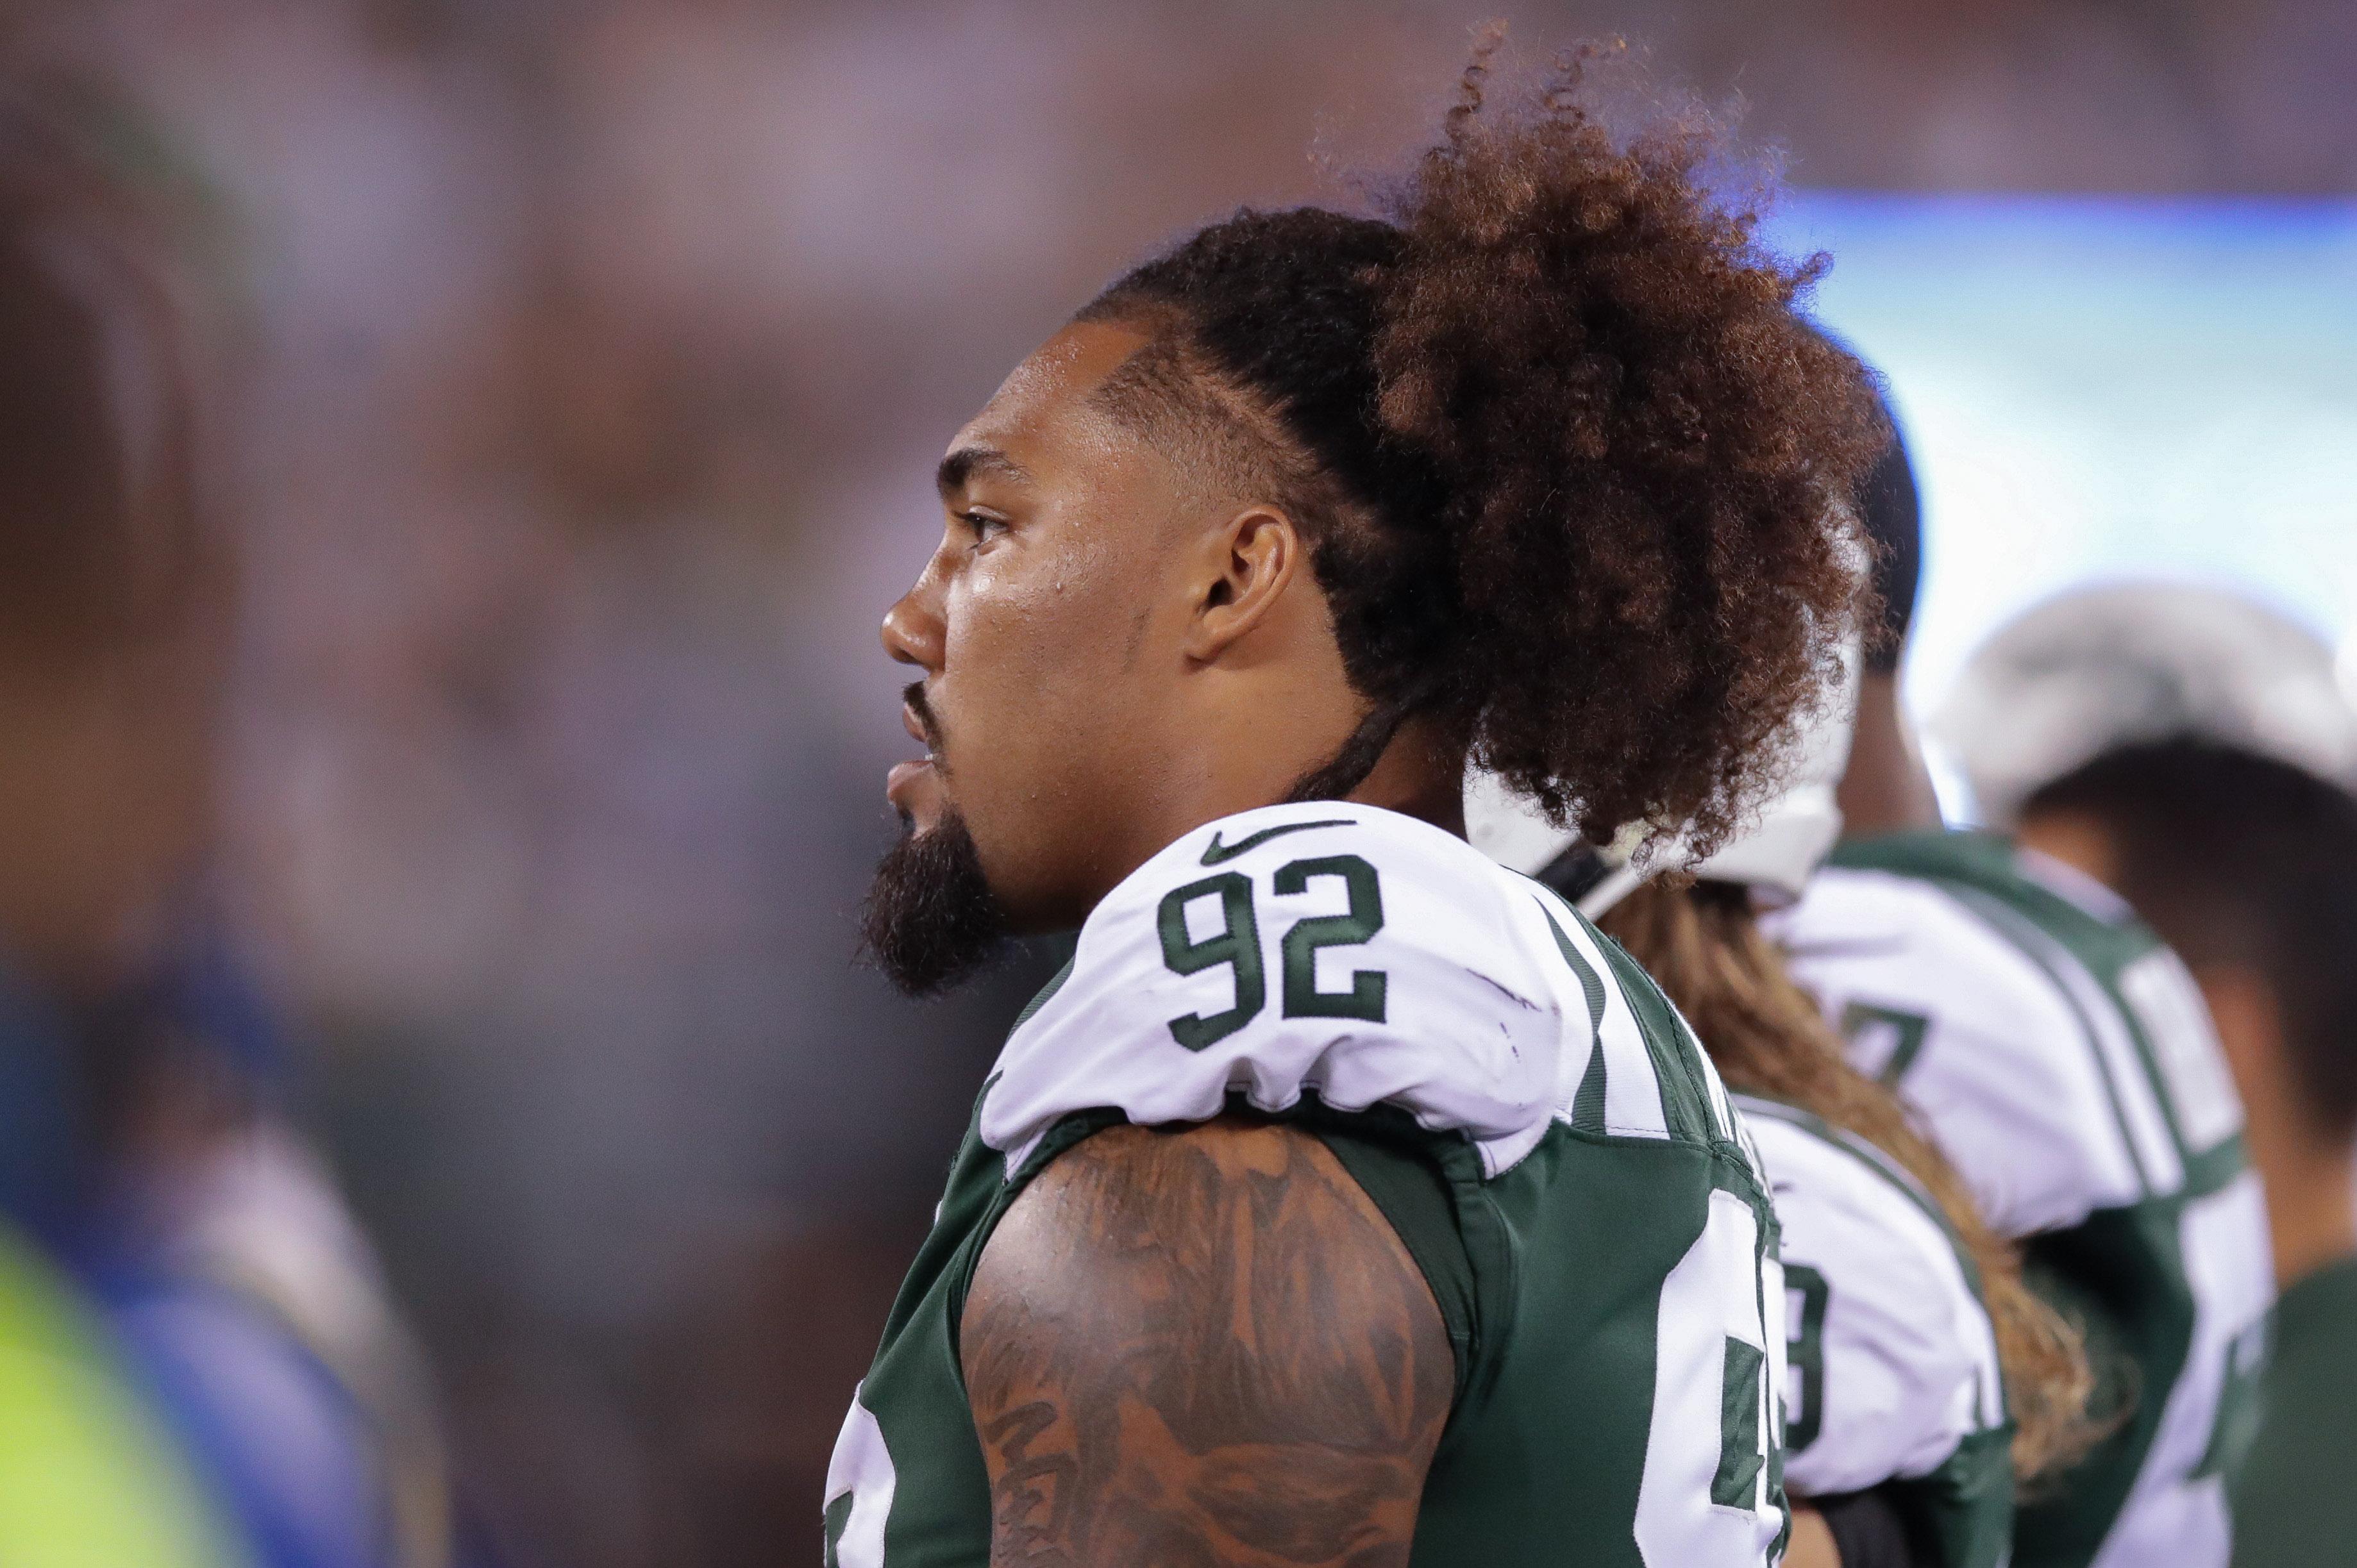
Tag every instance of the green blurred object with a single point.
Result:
(2293, 1504)
(87, 1477)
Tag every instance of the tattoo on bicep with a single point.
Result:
(1204, 1348)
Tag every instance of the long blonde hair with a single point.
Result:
(1768, 1037)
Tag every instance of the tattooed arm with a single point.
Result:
(1203, 1346)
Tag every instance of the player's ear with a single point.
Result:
(1241, 571)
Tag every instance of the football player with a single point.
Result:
(2215, 801)
(1923, 1373)
(2062, 1058)
(1347, 1199)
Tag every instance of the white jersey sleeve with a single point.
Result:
(1892, 1362)
(1345, 953)
(1544, 1134)
(1993, 1049)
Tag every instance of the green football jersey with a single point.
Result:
(1516, 1097)
(2293, 1505)
(2063, 1060)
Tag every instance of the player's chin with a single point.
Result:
(931, 919)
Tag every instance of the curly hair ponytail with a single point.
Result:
(1565, 450)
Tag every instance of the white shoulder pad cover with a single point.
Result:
(1909, 1361)
(2003, 1070)
(1226, 963)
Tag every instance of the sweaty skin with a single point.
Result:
(1199, 1346)
(1115, 649)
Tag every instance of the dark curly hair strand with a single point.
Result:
(1566, 452)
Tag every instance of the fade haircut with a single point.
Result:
(1565, 453)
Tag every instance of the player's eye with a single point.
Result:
(982, 526)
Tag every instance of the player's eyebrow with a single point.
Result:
(967, 461)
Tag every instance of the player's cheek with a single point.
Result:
(1008, 648)
(966, 694)
(992, 718)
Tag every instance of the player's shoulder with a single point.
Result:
(1889, 1303)
(2008, 995)
(1890, 946)
(2050, 911)
(1833, 1187)
(1355, 954)
(1825, 1165)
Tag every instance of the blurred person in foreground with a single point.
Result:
(90, 1477)
(2192, 751)
(1347, 1198)
(2060, 1057)
(142, 1146)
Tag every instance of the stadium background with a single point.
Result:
(596, 356)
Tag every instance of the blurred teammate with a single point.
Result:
(1347, 1199)
(2200, 791)
(2060, 1057)
(140, 1147)
(1922, 1372)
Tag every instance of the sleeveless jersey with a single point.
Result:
(2063, 1060)
(1893, 1379)
(1526, 1110)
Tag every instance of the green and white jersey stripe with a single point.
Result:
(1893, 1379)
(2062, 1057)
(1595, 1225)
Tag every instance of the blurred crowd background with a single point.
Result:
(591, 358)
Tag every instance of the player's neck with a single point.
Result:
(2304, 1167)
(2311, 1214)
(1294, 740)
(1418, 776)
(1886, 789)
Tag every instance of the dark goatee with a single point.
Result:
(930, 920)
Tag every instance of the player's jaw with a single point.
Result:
(931, 918)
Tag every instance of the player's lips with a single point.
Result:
(910, 785)
(903, 781)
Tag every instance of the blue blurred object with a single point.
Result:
(237, 1284)
(285, 1445)
(43, 1136)
(2101, 386)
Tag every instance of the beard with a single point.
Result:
(931, 918)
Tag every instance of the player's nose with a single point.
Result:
(913, 633)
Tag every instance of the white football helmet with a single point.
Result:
(1786, 836)
(2099, 668)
